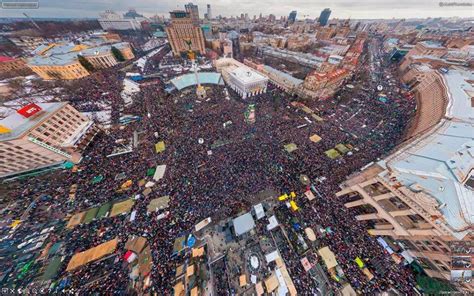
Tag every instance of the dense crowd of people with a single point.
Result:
(213, 168)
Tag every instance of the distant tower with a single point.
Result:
(292, 17)
(209, 13)
(193, 12)
(324, 17)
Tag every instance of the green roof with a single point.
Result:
(103, 210)
(90, 215)
(52, 269)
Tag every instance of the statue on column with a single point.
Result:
(200, 90)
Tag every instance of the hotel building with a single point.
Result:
(43, 135)
(184, 34)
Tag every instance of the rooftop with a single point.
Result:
(439, 163)
(286, 76)
(19, 124)
(432, 44)
(64, 54)
(187, 80)
(246, 74)
(243, 224)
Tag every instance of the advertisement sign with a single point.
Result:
(29, 110)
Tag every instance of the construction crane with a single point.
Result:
(32, 21)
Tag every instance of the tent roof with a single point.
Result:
(136, 244)
(243, 280)
(328, 257)
(158, 204)
(271, 283)
(52, 268)
(244, 223)
(92, 254)
(310, 234)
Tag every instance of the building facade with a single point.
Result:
(428, 48)
(209, 12)
(184, 34)
(242, 79)
(422, 195)
(8, 64)
(193, 12)
(281, 79)
(324, 17)
(324, 84)
(42, 135)
(292, 17)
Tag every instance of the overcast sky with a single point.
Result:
(306, 8)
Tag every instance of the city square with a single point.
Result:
(172, 171)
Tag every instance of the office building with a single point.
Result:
(422, 195)
(209, 12)
(233, 36)
(193, 11)
(431, 48)
(292, 17)
(110, 20)
(324, 17)
(184, 34)
(241, 78)
(41, 135)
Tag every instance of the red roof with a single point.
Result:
(5, 59)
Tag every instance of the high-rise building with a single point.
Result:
(233, 36)
(209, 13)
(324, 16)
(292, 17)
(193, 12)
(184, 34)
(42, 135)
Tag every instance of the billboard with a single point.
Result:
(29, 110)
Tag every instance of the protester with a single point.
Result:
(216, 178)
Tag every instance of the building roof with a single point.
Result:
(64, 54)
(243, 224)
(187, 80)
(432, 44)
(461, 91)
(59, 60)
(285, 76)
(439, 163)
(19, 124)
(246, 75)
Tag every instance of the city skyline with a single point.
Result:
(365, 9)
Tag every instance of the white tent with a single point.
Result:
(160, 172)
(259, 211)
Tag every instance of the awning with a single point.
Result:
(328, 257)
